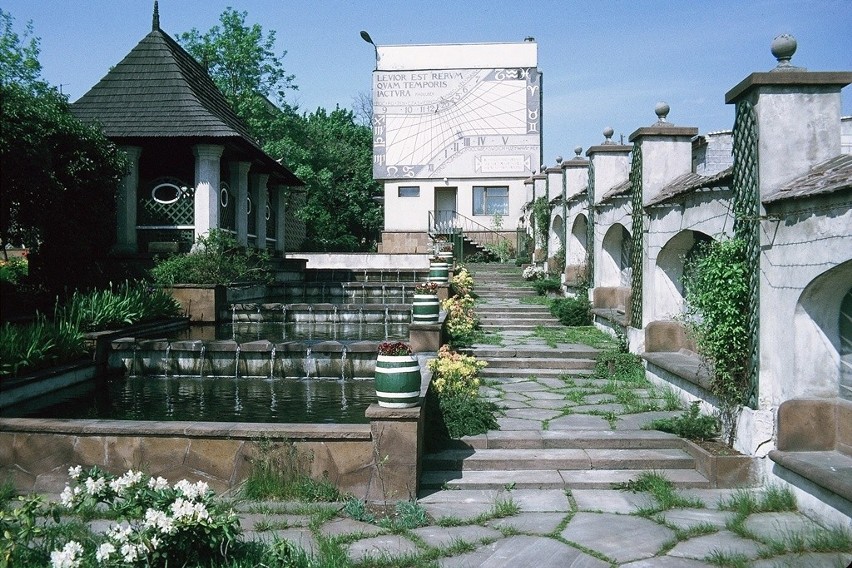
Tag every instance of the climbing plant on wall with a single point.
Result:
(717, 299)
(541, 218)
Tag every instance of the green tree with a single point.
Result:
(242, 62)
(330, 151)
(333, 156)
(58, 176)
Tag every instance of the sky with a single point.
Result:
(605, 63)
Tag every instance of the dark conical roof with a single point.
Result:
(159, 91)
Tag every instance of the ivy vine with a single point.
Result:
(716, 285)
(541, 219)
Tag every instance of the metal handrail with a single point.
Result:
(449, 222)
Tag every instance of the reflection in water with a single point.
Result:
(214, 399)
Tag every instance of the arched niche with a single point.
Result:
(615, 257)
(669, 294)
(577, 247)
(823, 346)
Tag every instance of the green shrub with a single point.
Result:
(691, 424)
(545, 285)
(281, 471)
(572, 312)
(216, 258)
(126, 304)
(14, 270)
(38, 345)
(621, 366)
(463, 415)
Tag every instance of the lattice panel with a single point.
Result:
(636, 230)
(590, 228)
(227, 208)
(180, 212)
(747, 226)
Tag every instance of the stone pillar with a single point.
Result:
(554, 180)
(610, 167)
(398, 446)
(126, 199)
(540, 242)
(576, 176)
(207, 182)
(257, 186)
(280, 200)
(238, 179)
(666, 156)
(797, 115)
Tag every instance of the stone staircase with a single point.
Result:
(539, 444)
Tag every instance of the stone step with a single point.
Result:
(538, 363)
(570, 351)
(558, 459)
(520, 326)
(516, 321)
(566, 439)
(553, 479)
(510, 311)
(497, 373)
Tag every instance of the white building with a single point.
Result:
(456, 131)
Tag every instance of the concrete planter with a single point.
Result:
(210, 303)
(736, 470)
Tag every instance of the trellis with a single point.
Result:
(636, 257)
(747, 227)
(590, 228)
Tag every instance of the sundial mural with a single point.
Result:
(456, 123)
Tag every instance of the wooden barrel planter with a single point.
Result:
(425, 308)
(446, 256)
(439, 272)
(397, 381)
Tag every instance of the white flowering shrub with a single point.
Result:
(533, 272)
(158, 524)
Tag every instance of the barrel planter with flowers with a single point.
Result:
(397, 376)
(426, 303)
(439, 271)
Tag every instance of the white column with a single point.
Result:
(280, 219)
(257, 186)
(126, 202)
(207, 181)
(238, 179)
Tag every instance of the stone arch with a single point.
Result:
(615, 257)
(668, 272)
(557, 234)
(577, 241)
(822, 326)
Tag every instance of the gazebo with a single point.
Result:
(193, 165)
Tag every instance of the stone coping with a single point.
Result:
(684, 363)
(614, 315)
(231, 430)
(830, 470)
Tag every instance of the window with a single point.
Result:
(489, 200)
(409, 191)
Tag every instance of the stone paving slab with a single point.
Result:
(636, 421)
(621, 537)
(724, 542)
(807, 560)
(524, 552)
(778, 526)
(442, 537)
(667, 562)
(579, 422)
(611, 500)
(346, 526)
(300, 537)
(378, 547)
(599, 398)
(507, 423)
(554, 404)
(552, 382)
(540, 500)
(688, 518)
(523, 386)
(248, 521)
(545, 395)
(530, 523)
(604, 407)
(532, 413)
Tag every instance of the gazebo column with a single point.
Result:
(257, 186)
(207, 182)
(280, 219)
(125, 241)
(238, 175)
